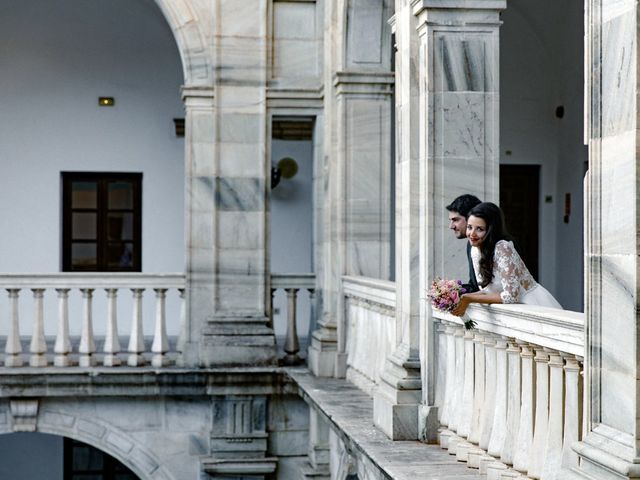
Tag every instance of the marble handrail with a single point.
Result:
(510, 389)
(291, 283)
(369, 328)
(61, 284)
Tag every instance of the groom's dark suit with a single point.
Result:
(472, 286)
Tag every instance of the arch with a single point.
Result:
(102, 436)
(184, 23)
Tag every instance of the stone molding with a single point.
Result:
(24, 412)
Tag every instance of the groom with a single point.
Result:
(458, 212)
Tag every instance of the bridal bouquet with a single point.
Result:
(445, 296)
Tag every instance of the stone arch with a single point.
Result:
(185, 25)
(101, 435)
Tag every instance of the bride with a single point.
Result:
(501, 273)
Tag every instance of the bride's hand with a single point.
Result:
(461, 308)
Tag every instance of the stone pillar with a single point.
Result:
(457, 148)
(226, 198)
(610, 447)
(398, 398)
(358, 91)
(239, 439)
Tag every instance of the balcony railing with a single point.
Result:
(370, 306)
(511, 389)
(69, 348)
(292, 283)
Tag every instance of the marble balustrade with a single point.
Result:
(511, 389)
(370, 328)
(75, 294)
(292, 283)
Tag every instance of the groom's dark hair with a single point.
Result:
(463, 204)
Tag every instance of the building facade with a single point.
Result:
(154, 274)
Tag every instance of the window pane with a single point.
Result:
(120, 226)
(84, 195)
(120, 255)
(87, 458)
(120, 195)
(83, 255)
(83, 226)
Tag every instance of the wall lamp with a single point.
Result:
(286, 167)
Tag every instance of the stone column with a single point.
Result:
(610, 447)
(226, 197)
(358, 92)
(457, 146)
(397, 400)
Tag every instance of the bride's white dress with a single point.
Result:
(511, 278)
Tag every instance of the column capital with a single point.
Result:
(197, 94)
(464, 14)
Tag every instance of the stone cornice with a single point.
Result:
(419, 5)
(351, 82)
(140, 382)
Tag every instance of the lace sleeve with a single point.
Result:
(511, 269)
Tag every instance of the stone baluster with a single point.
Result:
(450, 365)
(441, 364)
(527, 410)
(513, 402)
(478, 388)
(271, 298)
(466, 416)
(553, 444)
(62, 347)
(13, 347)
(87, 344)
(313, 305)
(489, 405)
(572, 411)
(38, 346)
(291, 344)
(184, 327)
(458, 386)
(136, 339)
(160, 344)
(111, 341)
(541, 423)
(499, 427)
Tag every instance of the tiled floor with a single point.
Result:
(351, 410)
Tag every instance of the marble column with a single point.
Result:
(457, 150)
(397, 401)
(358, 87)
(610, 447)
(226, 197)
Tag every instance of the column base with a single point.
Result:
(237, 342)
(322, 353)
(396, 401)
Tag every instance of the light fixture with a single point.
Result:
(106, 101)
(287, 167)
(179, 126)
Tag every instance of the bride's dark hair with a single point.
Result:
(496, 231)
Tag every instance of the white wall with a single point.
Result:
(57, 58)
(291, 227)
(541, 68)
(31, 456)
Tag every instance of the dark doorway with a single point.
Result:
(519, 200)
(84, 462)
